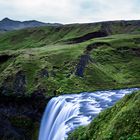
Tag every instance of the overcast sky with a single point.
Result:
(70, 11)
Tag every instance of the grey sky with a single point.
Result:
(70, 11)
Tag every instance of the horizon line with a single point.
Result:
(98, 21)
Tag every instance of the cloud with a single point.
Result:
(70, 11)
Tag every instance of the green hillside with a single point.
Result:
(38, 63)
(120, 122)
(98, 63)
(42, 36)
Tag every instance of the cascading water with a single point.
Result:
(65, 113)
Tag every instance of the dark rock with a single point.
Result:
(39, 93)
(52, 73)
(7, 87)
(19, 83)
(84, 60)
(96, 45)
(135, 51)
(87, 37)
(44, 73)
(56, 67)
(54, 92)
(18, 115)
(14, 84)
(137, 40)
(7, 131)
(4, 58)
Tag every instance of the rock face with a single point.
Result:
(39, 93)
(4, 58)
(14, 84)
(20, 114)
(44, 73)
(19, 83)
(84, 60)
(11, 132)
(87, 37)
(20, 117)
(7, 86)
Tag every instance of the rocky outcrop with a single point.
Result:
(7, 131)
(7, 86)
(19, 84)
(20, 116)
(14, 84)
(44, 73)
(4, 58)
(86, 37)
(84, 60)
(39, 93)
(21, 112)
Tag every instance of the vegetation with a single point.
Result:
(120, 122)
(49, 61)
(114, 66)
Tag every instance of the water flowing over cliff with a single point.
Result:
(65, 113)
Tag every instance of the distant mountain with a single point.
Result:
(7, 24)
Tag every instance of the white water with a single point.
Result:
(65, 113)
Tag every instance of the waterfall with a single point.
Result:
(65, 113)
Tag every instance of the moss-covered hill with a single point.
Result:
(73, 33)
(39, 63)
(120, 122)
(70, 58)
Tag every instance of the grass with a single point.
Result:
(114, 66)
(41, 36)
(120, 122)
(111, 67)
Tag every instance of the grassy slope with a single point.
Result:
(120, 122)
(114, 66)
(41, 36)
(38, 37)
